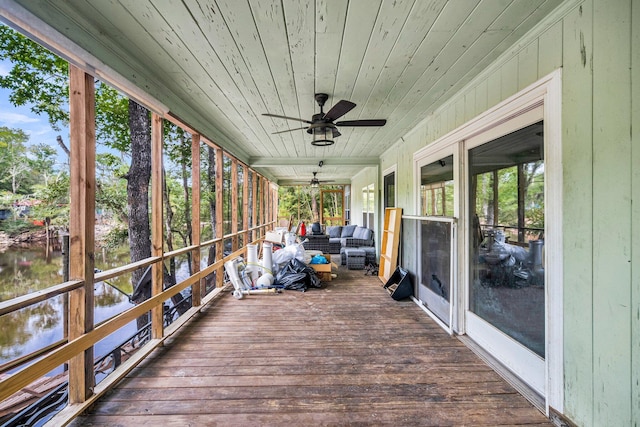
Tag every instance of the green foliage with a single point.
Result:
(13, 159)
(111, 194)
(296, 201)
(115, 238)
(112, 118)
(39, 78)
(507, 183)
(177, 144)
(55, 197)
(14, 227)
(34, 67)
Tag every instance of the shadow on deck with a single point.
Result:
(346, 354)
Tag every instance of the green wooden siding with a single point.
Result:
(611, 228)
(635, 215)
(578, 203)
(597, 44)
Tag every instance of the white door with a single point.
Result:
(505, 196)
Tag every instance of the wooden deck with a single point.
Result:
(346, 354)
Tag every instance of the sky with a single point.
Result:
(37, 127)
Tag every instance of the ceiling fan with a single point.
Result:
(315, 183)
(323, 126)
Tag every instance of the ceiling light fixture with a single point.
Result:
(314, 181)
(322, 134)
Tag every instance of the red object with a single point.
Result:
(303, 229)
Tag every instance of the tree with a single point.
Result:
(138, 178)
(13, 158)
(297, 201)
(40, 79)
(42, 161)
(112, 189)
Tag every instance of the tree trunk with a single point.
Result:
(168, 222)
(188, 239)
(211, 180)
(138, 179)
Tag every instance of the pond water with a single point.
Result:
(23, 271)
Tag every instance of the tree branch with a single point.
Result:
(63, 146)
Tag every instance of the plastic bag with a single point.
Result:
(297, 275)
(282, 257)
(319, 259)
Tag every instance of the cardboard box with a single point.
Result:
(323, 270)
(274, 236)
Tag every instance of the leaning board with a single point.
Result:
(390, 243)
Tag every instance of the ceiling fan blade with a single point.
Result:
(289, 130)
(366, 122)
(336, 133)
(341, 108)
(286, 117)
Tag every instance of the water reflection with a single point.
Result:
(24, 271)
(31, 328)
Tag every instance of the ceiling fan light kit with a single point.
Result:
(322, 136)
(322, 126)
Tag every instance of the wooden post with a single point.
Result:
(245, 204)
(254, 204)
(496, 204)
(219, 213)
(196, 289)
(234, 204)
(521, 196)
(321, 219)
(81, 226)
(267, 213)
(157, 240)
(65, 298)
(261, 204)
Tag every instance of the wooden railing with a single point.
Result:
(61, 352)
(81, 332)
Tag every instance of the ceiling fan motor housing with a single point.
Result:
(321, 98)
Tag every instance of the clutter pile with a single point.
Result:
(280, 268)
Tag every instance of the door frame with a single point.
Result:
(390, 170)
(548, 92)
(322, 217)
(522, 361)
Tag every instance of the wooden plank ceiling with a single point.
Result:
(219, 65)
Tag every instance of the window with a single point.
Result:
(436, 188)
(368, 206)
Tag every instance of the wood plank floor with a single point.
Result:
(346, 354)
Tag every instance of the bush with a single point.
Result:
(13, 228)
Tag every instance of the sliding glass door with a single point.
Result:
(506, 263)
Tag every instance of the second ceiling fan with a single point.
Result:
(324, 123)
(315, 182)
